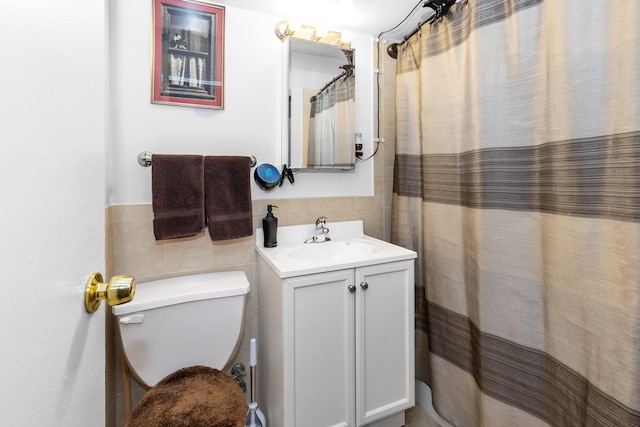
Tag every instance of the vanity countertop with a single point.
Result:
(349, 248)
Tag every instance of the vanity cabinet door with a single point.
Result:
(319, 350)
(384, 340)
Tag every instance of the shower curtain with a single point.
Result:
(332, 126)
(517, 181)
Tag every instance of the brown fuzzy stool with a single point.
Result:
(192, 397)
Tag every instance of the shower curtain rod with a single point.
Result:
(348, 71)
(439, 7)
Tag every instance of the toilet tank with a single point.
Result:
(183, 321)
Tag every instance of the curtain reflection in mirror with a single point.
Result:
(331, 126)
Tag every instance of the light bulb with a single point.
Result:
(346, 37)
(321, 32)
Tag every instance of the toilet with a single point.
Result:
(178, 335)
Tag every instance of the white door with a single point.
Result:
(52, 161)
(319, 350)
(384, 340)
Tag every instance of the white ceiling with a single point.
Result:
(359, 16)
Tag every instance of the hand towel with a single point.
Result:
(177, 189)
(228, 205)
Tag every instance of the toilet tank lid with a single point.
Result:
(177, 290)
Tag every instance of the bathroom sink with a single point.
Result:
(349, 247)
(334, 250)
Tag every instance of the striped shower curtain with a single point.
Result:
(332, 126)
(517, 180)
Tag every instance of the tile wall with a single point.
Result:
(132, 249)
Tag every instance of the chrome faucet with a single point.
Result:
(321, 224)
(321, 236)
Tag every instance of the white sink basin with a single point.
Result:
(340, 250)
(349, 247)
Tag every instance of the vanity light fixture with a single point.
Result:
(285, 30)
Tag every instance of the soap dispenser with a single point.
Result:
(270, 228)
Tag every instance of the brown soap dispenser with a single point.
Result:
(270, 228)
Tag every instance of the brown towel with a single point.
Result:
(228, 206)
(177, 189)
(192, 397)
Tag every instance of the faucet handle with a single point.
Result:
(320, 222)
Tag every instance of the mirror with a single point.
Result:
(321, 88)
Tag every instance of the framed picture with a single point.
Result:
(188, 54)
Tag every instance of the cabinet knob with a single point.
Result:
(364, 286)
(352, 288)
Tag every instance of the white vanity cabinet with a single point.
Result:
(336, 348)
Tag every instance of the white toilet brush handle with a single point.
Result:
(253, 358)
(252, 367)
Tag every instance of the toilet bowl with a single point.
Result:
(183, 322)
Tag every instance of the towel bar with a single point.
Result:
(144, 159)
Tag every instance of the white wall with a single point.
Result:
(250, 124)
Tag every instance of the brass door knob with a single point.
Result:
(119, 290)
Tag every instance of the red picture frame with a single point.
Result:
(188, 54)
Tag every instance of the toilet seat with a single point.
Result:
(191, 397)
